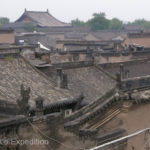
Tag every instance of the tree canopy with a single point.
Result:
(77, 23)
(100, 22)
(141, 22)
(4, 20)
(115, 24)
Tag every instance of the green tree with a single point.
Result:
(77, 23)
(115, 24)
(138, 22)
(146, 25)
(98, 22)
(4, 20)
(141, 22)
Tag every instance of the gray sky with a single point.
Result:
(66, 10)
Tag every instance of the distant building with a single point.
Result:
(41, 19)
(140, 39)
(7, 36)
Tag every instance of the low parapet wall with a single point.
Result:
(14, 51)
(87, 111)
(98, 56)
(126, 63)
(139, 53)
(70, 65)
(8, 108)
(135, 83)
(4, 53)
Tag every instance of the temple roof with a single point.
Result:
(43, 19)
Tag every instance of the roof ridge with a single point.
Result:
(47, 13)
(32, 11)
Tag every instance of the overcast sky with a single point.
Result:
(67, 10)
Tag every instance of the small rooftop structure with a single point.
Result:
(42, 19)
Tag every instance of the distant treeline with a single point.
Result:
(4, 20)
(97, 22)
(100, 22)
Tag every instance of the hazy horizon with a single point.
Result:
(67, 10)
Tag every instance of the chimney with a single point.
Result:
(122, 71)
(39, 103)
(65, 81)
(47, 11)
(62, 80)
(39, 106)
(127, 73)
(25, 10)
(118, 78)
(59, 77)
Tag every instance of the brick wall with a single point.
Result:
(7, 38)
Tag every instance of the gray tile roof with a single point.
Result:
(44, 19)
(75, 35)
(17, 71)
(90, 81)
(108, 35)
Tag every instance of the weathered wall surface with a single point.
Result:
(67, 57)
(56, 58)
(111, 59)
(41, 129)
(136, 68)
(137, 118)
(131, 120)
(135, 83)
(99, 58)
(143, 41)
(7, 38)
